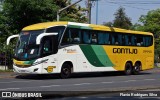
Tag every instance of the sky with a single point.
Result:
(133, 9)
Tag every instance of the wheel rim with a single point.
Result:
(66, 71)
(136, 68)
(128, 70)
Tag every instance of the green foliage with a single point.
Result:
(17, 14)
(110, 24)
(20, 13)
(151, 23)
(121, 20)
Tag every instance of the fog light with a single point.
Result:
(35, 70)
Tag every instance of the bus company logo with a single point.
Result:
(125, 51)
(6, 94)
(147, 51)
(70, 50)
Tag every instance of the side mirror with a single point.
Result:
(39, 37)
(11, 37)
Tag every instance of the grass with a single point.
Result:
(158, 66)
(8, 70)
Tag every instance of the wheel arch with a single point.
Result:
(129, 61)
(67, 62)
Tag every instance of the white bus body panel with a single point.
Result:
(72, 54)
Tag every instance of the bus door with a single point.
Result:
(49, 50)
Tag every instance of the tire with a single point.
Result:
(136, 69)
(66, 71)
(128, 69)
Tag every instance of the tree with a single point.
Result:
(151, 23)
(17, 14)
(74, 13)
(121, 20)
(110, 24)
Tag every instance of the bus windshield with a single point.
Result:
(26, 46)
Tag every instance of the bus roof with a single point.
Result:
(81, 26)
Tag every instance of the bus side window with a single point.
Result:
(148, 41)
(66, 38)
(129, 40)
(56, 29)
(101, 38)
(139, 40)
(120, 39)
(76, 36)
(126, 40)
(47, 46)
(133, 40)
(123, 40)
(114, 39)
(94, 38)
(86, 37)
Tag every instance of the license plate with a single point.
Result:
(22, 71)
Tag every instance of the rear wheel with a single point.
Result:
(128, 69)
(136, 69)
(66, 71)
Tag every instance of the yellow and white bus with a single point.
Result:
(69, 47)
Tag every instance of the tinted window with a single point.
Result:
(56, 29)
(47, 46)
(86, 37)
(94, 37)
(148, 40)
(139, 40)
(75, 36)
(103, 38)
(71, 36)
(83, 36)
(66, 38)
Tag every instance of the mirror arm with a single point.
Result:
(11, 37)
(39, 37)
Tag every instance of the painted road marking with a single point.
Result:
(10, 89)
(149, 79)
(83, 84)
(50, 86)
(106, 82)
(18, 81)
(130, 81)
(47, 86)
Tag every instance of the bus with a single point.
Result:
(70, 47)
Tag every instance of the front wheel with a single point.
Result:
(66, 71)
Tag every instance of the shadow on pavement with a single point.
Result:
(75, 75)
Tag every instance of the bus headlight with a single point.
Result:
(39, 62)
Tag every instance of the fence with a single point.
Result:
(6, 61)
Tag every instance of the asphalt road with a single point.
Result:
(82, 83)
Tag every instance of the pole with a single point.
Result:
(97, 13)
(59, 11)
(57, 15)
(89, 11)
